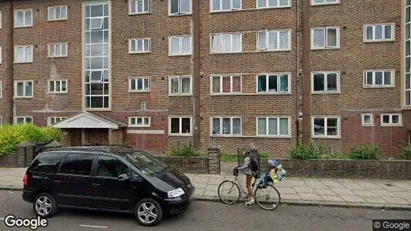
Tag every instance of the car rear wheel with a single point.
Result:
(45, 205)
(148, 212)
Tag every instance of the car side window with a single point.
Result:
(108, 166)
(47, 163)
(77, 164)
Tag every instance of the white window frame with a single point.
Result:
(278, 74)
(136, 12)
(135, 40)
(23, 46)
(24, 89)
(365, 85)
(325, 73)
(60, 46)
(54, 8)
(24, 18)
(326, 47)
(181, 126)
(383, 32)
(1, 53)
(23, 117)
(278, 126)
(61, 118)
(130, 83)
(180, 85)
(1, 89)
(371, 115)
(1, 20)
(221, 85)
(390, 124)
(55, 90)
(324, 3)
(267, 32)
(180, 38)
(221, 6)
(142, 125)
(221, 43)
(221, 126)
(325, 136)
(270, 7)
(179, 10)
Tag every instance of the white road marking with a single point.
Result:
(94, 226)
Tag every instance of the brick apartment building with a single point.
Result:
(233, 73)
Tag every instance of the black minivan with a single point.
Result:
(106, 178)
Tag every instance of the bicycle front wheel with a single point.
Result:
(268, 198)
(229, 192)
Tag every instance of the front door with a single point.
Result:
(74, 181)
(111, 191)
(97, 136)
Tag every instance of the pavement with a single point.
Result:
(206, 216)
(384, 194)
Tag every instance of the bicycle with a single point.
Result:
(260, 192)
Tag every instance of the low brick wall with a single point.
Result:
(198, 165)
(9, 160)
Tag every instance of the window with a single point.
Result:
(226, 84)
(142, 45)
(47, 163)
(273, 126)
(325, 38)
(226, 126)
(23, 54)
(23, 18)
(225, 5)
(407, 54)
(226, 43)
(379, 78)
(139, 6)
(180, 85)
(77, 164)
(57, 13)
(274, 40)
(325, 82)
(139, 121)
(23, 119)
(1, 20)
(57, 86)
(56, 50)
(139, 84)
(23, 89)
(53, 120)
(1, 89)
(324, 2)
(391, 120)
(273, 3)
(379, 32)
(179, 126)
(110, 167)
(273, 83)
(180, 45)
(1, 55)
(179, 7)
(326, 127)
(367, 119)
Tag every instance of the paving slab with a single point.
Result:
(403, 195)
(374, 200)
(342, 191)
(325, 192)
(381, 192)
(395, 200)
(368, 185)
(364, 193)
(332, 198)
(352, 198)
(333, 184)
(352, 185)
(290, 197)
(287, 190)
(310, 196)
(299, 189)
(212, 187)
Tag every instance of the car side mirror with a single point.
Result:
(123, 177)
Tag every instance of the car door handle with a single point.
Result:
(60, 181)
(95, 184)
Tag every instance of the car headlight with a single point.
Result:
(175, 193)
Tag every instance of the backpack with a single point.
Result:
(254, 163)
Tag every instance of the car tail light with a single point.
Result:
(25, 180)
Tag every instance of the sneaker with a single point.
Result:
(250, 202)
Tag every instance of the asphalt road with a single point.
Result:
(207, 216)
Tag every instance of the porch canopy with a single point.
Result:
(89, 120)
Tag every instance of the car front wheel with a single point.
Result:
(148, 212)
(45, 205)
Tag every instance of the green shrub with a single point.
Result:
(305, 153)
(405, 154)
(225, 157)
(51, 134)
(263, 155)
(365, 152)
(184, 150)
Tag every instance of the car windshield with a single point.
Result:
(146, 163)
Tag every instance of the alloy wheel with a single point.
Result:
(43, 206)
(147, 212)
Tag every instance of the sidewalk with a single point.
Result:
(387, 194)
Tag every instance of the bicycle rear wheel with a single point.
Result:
(268, 198)
(229, 192)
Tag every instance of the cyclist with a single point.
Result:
(250, 171)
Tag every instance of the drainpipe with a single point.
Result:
(306, 72)
(297, 78)
(196, 75)
(10, 107)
